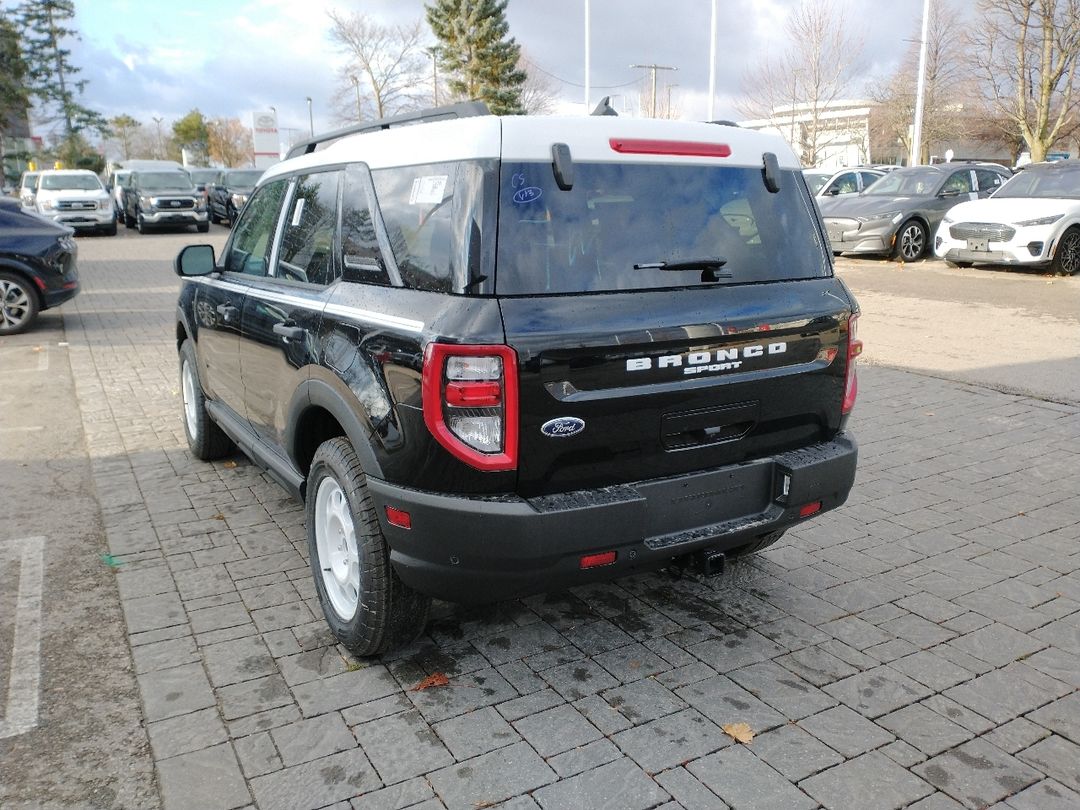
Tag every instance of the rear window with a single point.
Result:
(618, 215)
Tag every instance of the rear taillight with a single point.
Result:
(471, 403)
(854, 349)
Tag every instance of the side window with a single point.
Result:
(307, 243)
(416, 206)
(958, 183)
(846, 183)
(361, 258)
(249, 249)
(868, 179)
(988, 180)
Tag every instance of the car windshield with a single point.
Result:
(1049, 182)
(29, 180)
(906, 183)
(815, 180)
(203, 175)
(165, 181)
(243, 179)
(79, 182)
(122, 178)
(635, 225)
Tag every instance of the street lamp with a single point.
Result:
(311, 117)
(356, 87)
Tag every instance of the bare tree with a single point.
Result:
(946, 116)
(796, 88)
(386, 67)
(538, 94)
(665, 107)
(1025, 53)
(229, 142)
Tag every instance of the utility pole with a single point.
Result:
(667, 110)
(588, 85)
(158, 152)
(916, 135)
(311, 117)
(653, 69)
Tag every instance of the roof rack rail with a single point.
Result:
(465, 109)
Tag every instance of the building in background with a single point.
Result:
(830, 136)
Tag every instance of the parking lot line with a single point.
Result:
(21, 711)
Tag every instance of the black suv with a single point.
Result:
(229, 193)
(498, 356)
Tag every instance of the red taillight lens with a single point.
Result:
(597, 560)
(810, 509)
(471, 403)
(854, 349)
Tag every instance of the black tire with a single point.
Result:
(213, 216)
(205, 439)
(19, 304)
(111, 229)
(1067, 253)
(141, 225)
(386, 613)
(128, 221)
(202, 227)
(230, 214)
(910, 241)
(754, 546)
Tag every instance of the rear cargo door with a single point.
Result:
(667, 319)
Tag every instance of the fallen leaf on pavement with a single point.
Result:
(228, 465)
(740, 732)
(434, 679)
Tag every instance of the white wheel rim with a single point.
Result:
(190, 415)
(335, 542)
(14, 304)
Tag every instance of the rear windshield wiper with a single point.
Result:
(709, 265)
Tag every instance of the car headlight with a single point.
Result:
(239, 199)
(105, 205)
(48, 205)
(894, 216)
(1027, 223)
(145, 202)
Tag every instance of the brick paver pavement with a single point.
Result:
(919, 647)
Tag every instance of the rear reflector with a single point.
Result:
(596, 560)
(647, 146)
(398, 517)
(810, 509)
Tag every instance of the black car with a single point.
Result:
(230, 192)
(157, 198)
(501, 355)
(37, 266)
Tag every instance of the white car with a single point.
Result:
(1032, 220)
(75, 197)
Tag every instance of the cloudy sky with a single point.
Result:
(228, 59)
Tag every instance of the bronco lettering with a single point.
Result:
(718, 360)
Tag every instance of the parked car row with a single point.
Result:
(143, 194)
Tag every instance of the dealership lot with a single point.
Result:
(918, 647)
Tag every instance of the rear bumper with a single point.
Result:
(483, 549)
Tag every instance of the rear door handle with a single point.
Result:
(289, 331)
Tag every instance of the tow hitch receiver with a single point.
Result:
(709, 562)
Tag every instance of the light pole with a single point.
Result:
(916, 135)
(588, 85)
(157, 120)
(712, 61)
(356, 87)
(311, 117)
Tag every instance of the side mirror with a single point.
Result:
(195, 260)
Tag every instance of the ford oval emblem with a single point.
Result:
(563, 427)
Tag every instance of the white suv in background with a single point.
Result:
(75, 197)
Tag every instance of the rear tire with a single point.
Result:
(1067, 254)
(910, 241)
(368, 608)
(18, 304)
(205, 439)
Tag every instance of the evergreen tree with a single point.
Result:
(50, 75)
(192, 133)
(13, 96)
(476, 54)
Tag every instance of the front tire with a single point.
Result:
(1067, 254)
(202, 227)
(910, 241)
(141, 225)
(18, 304)
(205, 439)
(368, 608)
(111, 229)
(128, 221)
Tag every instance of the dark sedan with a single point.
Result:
(230, 192)
(898, 213)
(37, 266)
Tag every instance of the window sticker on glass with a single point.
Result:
(428, 190)
(298, 211)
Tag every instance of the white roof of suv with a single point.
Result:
(522, 138)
